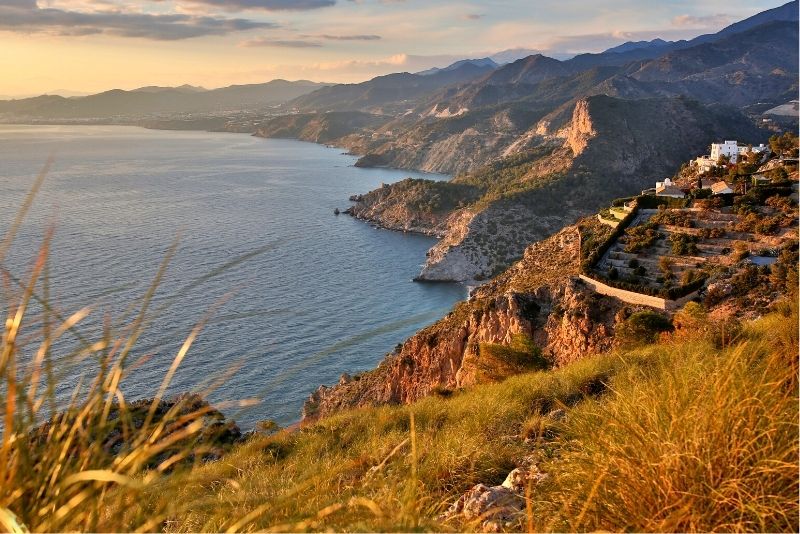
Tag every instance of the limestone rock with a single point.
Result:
(496, 508)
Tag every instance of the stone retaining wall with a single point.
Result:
(613, 223)
(640, 299)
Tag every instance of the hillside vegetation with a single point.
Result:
(694, 433)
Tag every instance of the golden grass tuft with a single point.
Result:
(65, 464)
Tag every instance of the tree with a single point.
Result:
(642, 328)
(785, 145)
(665, 263)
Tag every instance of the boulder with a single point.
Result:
(496, 508)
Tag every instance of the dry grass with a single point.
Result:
(688, 438)
(701, 440)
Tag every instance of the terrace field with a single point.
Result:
(668, 248)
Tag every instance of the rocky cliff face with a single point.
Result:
(607, 148)
(539, 298)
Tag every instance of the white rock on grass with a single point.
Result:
(496, 507)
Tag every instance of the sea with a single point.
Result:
(289, 295)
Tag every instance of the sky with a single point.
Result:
(84, 46)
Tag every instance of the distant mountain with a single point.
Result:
(756, 64)
(630, 51)
(390, 94)
(483, 62)
(147, 100)
(759, 64)
(512, 108)
(183, 89)
(531, 69)
(787, 12)
(513, 54)
(655, 44)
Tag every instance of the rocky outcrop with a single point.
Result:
(540, 298)
(414, 205)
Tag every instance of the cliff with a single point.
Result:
(538, 308)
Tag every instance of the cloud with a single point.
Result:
(473, 16)
(25, 17)
(282, 43)
(707, 21)
(396, 60)
(350, 37)
(265, 5)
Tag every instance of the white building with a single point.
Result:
(705, 163)
(750, 149)
(728, 148)
(721, 188)
(666, 182)
(668, 189)
(731, 149)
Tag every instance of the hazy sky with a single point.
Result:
(93, 45)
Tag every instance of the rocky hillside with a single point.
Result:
(343, 128)
(540, 314)
(568, 164)
(538, 308)
(414, 205)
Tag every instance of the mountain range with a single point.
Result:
(540, 141)
(533, 143)
(153, 99)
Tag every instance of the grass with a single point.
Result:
(676, 436)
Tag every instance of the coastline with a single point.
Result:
(391, 320)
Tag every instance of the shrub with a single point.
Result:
(665, 263)
(709, 203)
(745, 280)
(740, 251)
(683, 244)
(498, 361)
(641, 237)
(641, 328)
(688, 276)
(674, 218)
(712, 233)
(769, 225)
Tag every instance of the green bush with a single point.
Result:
(641, 237)
(674, 218)
(642, 328)
(683, 244)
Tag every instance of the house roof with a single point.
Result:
(669, 191)
(721, 187)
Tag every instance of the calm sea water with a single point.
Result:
(321, 295)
